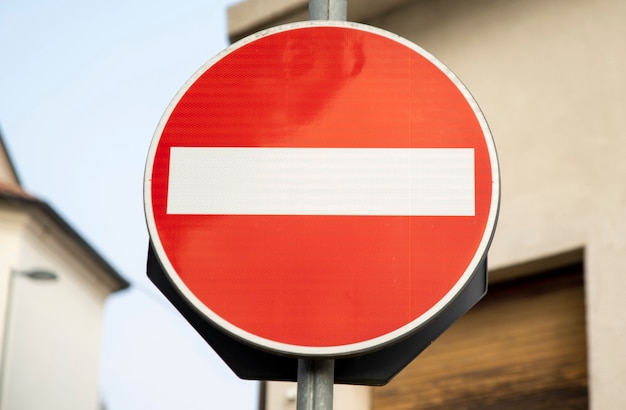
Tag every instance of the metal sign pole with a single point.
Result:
(316, 377)
(328, 10)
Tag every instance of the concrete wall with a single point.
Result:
(549, 77)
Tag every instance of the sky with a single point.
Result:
(83, 85)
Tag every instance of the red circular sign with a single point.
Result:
(321, 188)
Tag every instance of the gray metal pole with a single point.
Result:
(37, 274)
(5, 339)
(328, 10)
(316, 378)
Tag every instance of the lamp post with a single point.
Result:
(32, 274)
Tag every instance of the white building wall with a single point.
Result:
(11, 226)
(53, 344)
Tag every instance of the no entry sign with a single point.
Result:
(321, 188)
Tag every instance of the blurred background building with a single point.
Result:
(549, 77)
(53, 286)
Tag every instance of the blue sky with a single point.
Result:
(83, 85)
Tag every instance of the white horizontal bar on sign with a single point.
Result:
(321, 181)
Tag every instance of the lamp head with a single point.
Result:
(37, 274)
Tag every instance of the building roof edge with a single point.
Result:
(4, 151)
(19, 196)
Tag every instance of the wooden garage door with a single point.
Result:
(522, 347)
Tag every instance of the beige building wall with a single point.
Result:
(549, 77)
(282, 396)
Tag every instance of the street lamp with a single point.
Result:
(33, 274)
(36, 274)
